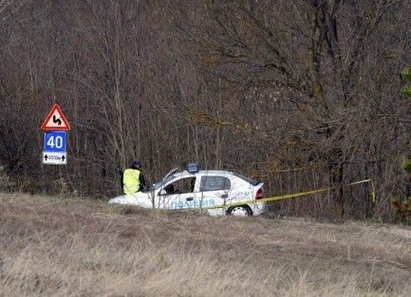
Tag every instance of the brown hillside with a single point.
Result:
(53, 247)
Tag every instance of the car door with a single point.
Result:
(179, 194)
(214, 190)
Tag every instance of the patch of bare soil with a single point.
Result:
(83, 247)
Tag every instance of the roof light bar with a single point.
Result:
(193, 167)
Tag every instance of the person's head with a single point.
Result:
(136, 164)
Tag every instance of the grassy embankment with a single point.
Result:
(55, 247)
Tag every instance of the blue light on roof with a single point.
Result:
(193, 167)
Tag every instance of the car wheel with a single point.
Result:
(240, 211)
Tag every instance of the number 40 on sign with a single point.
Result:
(55, 141)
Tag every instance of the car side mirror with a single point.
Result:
(163, 192)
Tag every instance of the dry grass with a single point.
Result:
(51, 247)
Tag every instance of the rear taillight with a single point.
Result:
(260, 194)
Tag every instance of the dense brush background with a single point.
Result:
(299, 94)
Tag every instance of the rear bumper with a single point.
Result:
(258, 208)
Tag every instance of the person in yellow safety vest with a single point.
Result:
(133, 179)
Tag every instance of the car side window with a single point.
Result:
(184, 185)
(214, 183)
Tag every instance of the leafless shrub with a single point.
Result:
(6, 185)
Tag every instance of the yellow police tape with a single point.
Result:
(295, 195)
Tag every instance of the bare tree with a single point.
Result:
(301, 94)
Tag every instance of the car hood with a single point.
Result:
(140, 199)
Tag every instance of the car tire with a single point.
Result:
(240, 211)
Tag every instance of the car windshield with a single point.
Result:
(157, 185)
(249, 180)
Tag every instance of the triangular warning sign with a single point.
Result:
(55, 121)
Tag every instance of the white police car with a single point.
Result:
(218, 192)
